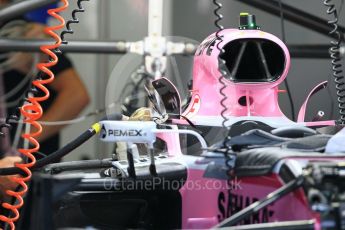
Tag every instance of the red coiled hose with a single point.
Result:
(32, 112)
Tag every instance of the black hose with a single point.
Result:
(221, 63)
(229, 157)
(74, 20)
(54, 156)
(336, 58)
(78, 165)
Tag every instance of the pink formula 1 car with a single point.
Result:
(270, 173)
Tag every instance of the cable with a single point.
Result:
(32, 111)
(131, 103)
(54, 157)
(229, 158)
(13, 29)
(57, 155)
(282, 24)
(221, 62)
(22, 83)
(78, 165)
(73, 121)
(336, 59)
(16, 102)
(16, 29)
(286, 83)
(74, 20)
(81, 118)
(16, 89)
(329, 92)
(93, 113)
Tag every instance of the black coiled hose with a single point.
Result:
(74, 20)
(229, 158)
(336, 58)
(221, 62)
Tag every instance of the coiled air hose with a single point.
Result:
(229, 156)
(74, 20)
(336, 59)
(32, 112)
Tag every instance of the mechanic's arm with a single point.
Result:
(72, 97)
(5, 181)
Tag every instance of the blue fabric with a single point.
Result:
(40, 15)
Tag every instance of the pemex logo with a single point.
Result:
(103, 133)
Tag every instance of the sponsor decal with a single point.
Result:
(103, 133)
(125, 133)
(193, 108)
(229, 204)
